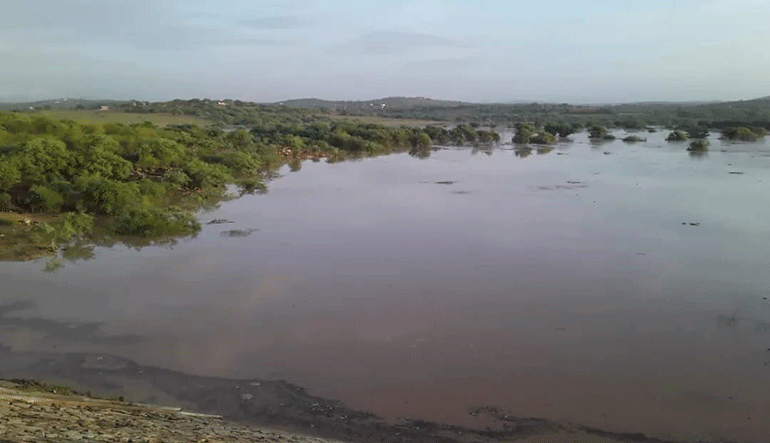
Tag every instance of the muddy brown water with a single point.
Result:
(620, 286)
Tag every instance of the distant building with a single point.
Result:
(104, 108)
(221, 103)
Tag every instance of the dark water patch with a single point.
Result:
(53, 331)
(238, 233)
(445, 182)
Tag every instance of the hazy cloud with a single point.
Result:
(593, 50)
(393, 42)
(279, 22)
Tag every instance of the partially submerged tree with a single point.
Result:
(677, 136)
(699, 145)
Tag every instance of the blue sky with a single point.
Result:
(483, 50)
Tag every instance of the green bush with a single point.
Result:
(98, 156)
(743, 134)
(104, 196)
(151, 188)
(543, 138)
(43, 198)
(699, 145)
(43, 160)
(203, 175)
(634, 139)
(524, 133)
(5, 202)
(240, 162)
(598, 132)
(159, 152)
(176, 179)
(677, 136)
(9, 172)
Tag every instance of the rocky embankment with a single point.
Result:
(38, 413)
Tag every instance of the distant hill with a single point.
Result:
(59, 103)
(387, 102)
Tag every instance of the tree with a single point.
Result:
(677, 136)
(563, 130)
(699, 145)
(743, 134)
(598, 132)
(524, 133)
(543, 138)
(43, 160)
(698, 132)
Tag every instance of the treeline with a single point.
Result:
(228, 113)
(360, 138)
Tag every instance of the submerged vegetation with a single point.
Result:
(634, 139)
(744, 134)
(677, 136)
(599, 132)
(699, 145)
(61, 179)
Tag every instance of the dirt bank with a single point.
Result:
(266, 404)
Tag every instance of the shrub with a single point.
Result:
(677, 136)
(43, 160)
(598, 132)
(242, 162)
(43, 198)
(698, 132)
(98, 156)
(743, 134)
(151, 188)
(634, 139)
(5, 202)
(176, 179)
(543, 138)
(101, 195)
(159, 152)
(203, 175)
(9, 172)
(699, 145)
(524, 133)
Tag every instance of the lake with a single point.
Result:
(621, 286)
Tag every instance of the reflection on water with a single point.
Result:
(625, 291)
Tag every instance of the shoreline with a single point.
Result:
(270, 404)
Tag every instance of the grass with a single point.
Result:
(387, 121)
(16, 243)
(91, 116)
(36, 386)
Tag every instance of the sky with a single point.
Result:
(577, 51)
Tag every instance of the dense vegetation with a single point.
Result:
(633, 116)
(677, 136)
(744, 134)
(142, 180)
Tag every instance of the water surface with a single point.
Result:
(615, 285)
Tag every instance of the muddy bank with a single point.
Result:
(50, 416)
(278, 404)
